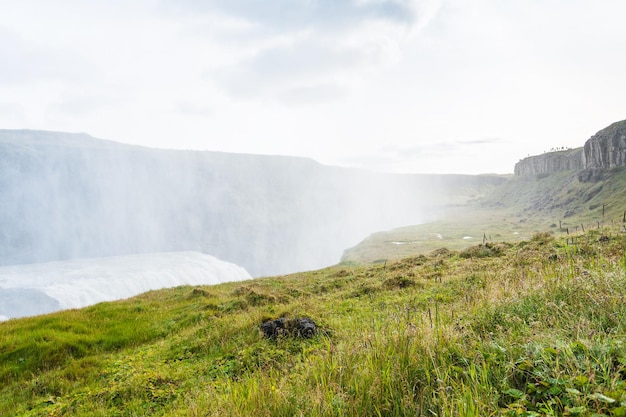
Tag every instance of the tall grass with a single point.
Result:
(533, 328)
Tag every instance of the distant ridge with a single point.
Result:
(26, 137)
(70, 195)
(79, 140)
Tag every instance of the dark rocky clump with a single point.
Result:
(593, 175)
(299, 327)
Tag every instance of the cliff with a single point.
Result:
(606, 149)
(551, 162)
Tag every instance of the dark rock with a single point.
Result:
(298, 327)
(607, 148)
(593, 175)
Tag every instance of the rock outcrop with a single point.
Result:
(301, 327)
(550, 163)
(606, 149)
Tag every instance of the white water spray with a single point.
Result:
(32, 289)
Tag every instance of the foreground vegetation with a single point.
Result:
(516, 329)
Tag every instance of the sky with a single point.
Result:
(411, 86)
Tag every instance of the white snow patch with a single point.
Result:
(467, 237)
(83, 282)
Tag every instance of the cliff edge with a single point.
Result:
(551, 162)
(606, 149)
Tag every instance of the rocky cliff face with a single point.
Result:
(606, 149)
(551, 162)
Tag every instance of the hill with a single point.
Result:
(68, 196)
(528, 328)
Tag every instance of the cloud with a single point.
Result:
(440, 148)
(286, 70)
(193, 109)
(484, 141)
(428, 156)
(295, 14)
(312, 94)
(81, 103)
(293, 47)
(24, 61)
(12, 113)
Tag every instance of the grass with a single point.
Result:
(527, 328)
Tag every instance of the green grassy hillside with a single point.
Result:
(521, 329)
(514, 211)
(568, 196)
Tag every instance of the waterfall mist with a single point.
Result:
(27, 290)
(68, 196)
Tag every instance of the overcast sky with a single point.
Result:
(442, 86)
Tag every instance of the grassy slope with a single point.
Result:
(530, 328)
(513, 212)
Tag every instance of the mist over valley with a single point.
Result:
(71, 196)
(85, 201)
(31, 289)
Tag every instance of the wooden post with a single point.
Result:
(603, 205)
(430, 318)
(583, 227)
